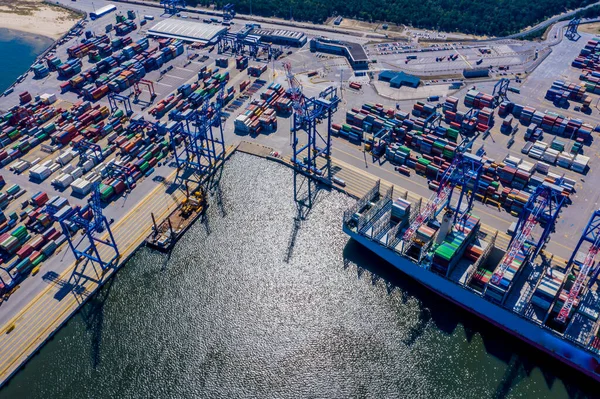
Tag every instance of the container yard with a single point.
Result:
(113, 139)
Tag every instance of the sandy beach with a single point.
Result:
(33, 16)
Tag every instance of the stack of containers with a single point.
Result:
(40, 71)
(538, 150)
(451, 104)
(400, 209)
(477, 99)
(506, 107)
(588, 57)
(497, 292)
(451, 249)
(480, 279)
(70, 68)
(561, 90)
(580, 163)
(53, 62)
(241, 62)
(260, 114)
(256, 71)
(550, 156)
(473, 252)
(125, 27)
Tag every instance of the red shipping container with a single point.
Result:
(25, 251)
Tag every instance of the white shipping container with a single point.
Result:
(95, 179)
(112, 137)
(526, 167)
(513, 161)
(65, 158)
(48, 148)
(81, 187)
(21, 166)
(36, 161)
(40, 173)
(88, 165)
(68, 169)
(54, 167)
(64, 181)
(542, 167)
(77, 173)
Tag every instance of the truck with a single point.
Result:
(433, 98)
(479, 61)
(411, 57)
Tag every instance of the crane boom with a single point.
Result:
(521, 237)
(432, 206)
(295, 89)
(585, 270)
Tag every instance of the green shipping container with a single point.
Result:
(144, 166)
(19, 231)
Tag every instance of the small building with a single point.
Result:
(354, 52)
(189, 31)
(282, 37)
(476, 73)
(399, 79)
(102, 11)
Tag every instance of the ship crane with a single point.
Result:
(522, 236)
(591, 235)
(435, 202)
(91, 225)
(295, 89)
(203, 147)
(543, 205)
(465, 171)
(307, 114)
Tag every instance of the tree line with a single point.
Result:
(480, 17)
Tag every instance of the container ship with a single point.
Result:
(551, 305)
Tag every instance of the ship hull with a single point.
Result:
(518, 326)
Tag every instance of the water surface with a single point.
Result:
(19, 50)
(226, 316)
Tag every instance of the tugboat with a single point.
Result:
(165, 235)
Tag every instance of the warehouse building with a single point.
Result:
(282, 37)
(188, 31)
(354, 52)
(399, 79)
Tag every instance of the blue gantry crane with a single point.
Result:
(114, 99)
(202, 147)
(89, 150)
(308, 113)
(243, 42)
(571, 32)
(228, 12)
(172, 6)
(591, 235)
(464, 172)
(543, 207)
(93, 249)
(500, 92)
(116, 171)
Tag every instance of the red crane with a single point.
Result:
(295, 89)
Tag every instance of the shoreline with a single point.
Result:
(39, 41)
(43, 19)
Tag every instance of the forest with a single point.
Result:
(480, 17)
